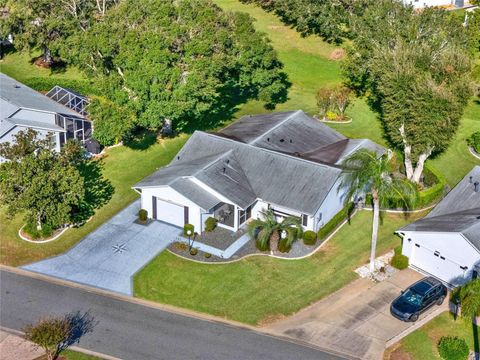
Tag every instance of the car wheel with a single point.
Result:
(414, 317)
(440, 300)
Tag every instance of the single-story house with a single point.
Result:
(446, 242)
(60, 116)
(288, 162)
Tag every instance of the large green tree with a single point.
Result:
(183, 61)
(37, 182)
(45, 24)
(367, 173)
(417, 73)
(329, 19)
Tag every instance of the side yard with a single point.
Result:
(422, 343)
(260, 289)
(123, 166)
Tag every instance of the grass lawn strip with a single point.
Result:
(257, 289)
(422, 343)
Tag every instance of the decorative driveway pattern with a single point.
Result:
(355, 320)
(109, 257)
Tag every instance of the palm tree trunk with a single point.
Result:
(476, 344)
(274, 241)
(376, 218)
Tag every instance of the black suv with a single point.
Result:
(418, 298)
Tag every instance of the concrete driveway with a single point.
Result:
(109, 257)
(355, 320)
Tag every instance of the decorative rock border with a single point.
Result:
(332, 121)
(474, 153)
(41, 241)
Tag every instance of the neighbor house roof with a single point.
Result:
(21, 96)
(458, 212)
(268, 157)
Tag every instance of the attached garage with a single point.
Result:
(437, 263)
(169, 212)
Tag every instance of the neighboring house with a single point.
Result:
(288, 162)
(420, 4)
(23, 108)
(446, 243)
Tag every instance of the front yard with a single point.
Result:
(260, 288)
(422, 343)
(123, 166)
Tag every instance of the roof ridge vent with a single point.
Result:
(475, 186)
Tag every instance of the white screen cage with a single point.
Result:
(70, 99)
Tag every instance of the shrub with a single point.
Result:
(259, 246)
(334, 222)
(453, 348)
(331, 115)
(180, 246)
(49, 334)
(83, 87)
(309, 237)
(188, 227)
(283, 246)
(210, 224)
(207, 255)
(474, 141)
(194, 251)
(399, 261)
(143, 215)
(31, 230)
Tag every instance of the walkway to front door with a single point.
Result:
(109, 257)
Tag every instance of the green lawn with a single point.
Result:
(260, 288)
(123, 167)
(18, 66)
(422, 343)
(75, 355)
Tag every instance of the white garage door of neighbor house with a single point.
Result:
(170, 213)
(436, 264)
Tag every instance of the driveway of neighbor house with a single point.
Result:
(109, 257)
(355, 320)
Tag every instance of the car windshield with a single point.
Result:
(412, 297)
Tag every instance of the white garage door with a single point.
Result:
(170, 213)
(436, 264)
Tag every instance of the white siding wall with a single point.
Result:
(453, 246)
(168, 194)
(333, 203)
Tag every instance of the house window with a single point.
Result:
(244, 215)
(304, 220)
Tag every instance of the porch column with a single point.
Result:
(235, 218)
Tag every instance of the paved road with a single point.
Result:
(108, 257)
(131, 331)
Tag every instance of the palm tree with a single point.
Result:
(366, 173)
(267, 232)
(468, 297)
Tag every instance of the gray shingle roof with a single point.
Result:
(5, 127)
(254, 173)
(462, 197)
(458, 212)
(195, 193)
(22, 96)
(35, 124)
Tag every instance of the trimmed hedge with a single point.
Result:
(334, 222)
(399, 261)
(210, 224)
(83, 87)
(187, 227)
(453, 348)
(433, 194)
(143, 215)
(194, 251)
(309, 237)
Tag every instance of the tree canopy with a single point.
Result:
(185, 61)
(416, 72)
(329, 19)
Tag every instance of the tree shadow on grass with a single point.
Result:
(141, 140)
(98, 190)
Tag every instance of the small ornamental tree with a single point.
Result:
(51, 334)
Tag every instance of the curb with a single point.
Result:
(473, 152)
(41, 241)
(164, 307)
(74, 348)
